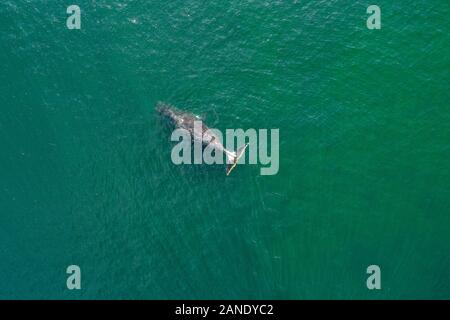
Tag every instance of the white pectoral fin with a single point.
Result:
(233, 157)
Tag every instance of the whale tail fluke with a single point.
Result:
(234, 157)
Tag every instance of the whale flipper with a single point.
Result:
(234, 158)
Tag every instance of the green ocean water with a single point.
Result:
(85, 170)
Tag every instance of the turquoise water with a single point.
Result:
(85, 170)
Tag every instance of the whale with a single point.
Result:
(186, 120)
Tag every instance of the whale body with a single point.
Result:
(185, 120)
